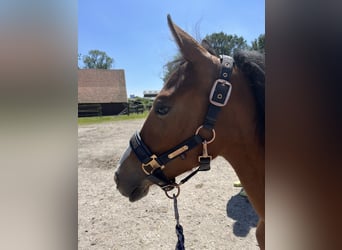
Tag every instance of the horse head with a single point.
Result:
(178, 113)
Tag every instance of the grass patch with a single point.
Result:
(102, 119)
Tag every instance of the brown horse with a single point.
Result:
(174, 125)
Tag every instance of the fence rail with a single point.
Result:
(89, 110)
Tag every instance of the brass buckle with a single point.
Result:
(153, 164)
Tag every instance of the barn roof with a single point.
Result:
(101, 86)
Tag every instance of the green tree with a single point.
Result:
(259, 43)
(224, 44)
(97, 59)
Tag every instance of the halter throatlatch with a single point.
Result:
(153, 165)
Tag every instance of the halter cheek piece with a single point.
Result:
(153, 165)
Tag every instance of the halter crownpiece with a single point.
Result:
(153, 165)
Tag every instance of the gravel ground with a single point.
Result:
(212, 213)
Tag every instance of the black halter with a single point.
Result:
(153, 165)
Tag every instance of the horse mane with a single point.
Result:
(252, 65)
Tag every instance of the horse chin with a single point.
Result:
(138, 193)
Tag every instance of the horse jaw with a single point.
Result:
(129, 182)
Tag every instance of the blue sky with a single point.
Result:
(136, 35)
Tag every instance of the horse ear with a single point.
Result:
(191, 50)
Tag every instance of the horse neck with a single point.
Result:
(237, 126)
(247, 158)
(241, 146)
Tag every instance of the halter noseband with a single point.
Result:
(153, 165)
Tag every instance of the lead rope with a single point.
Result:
(179, 228)
(204, 161)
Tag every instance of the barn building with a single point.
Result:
(101, 92)
(151, 94)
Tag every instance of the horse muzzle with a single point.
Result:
(130, 182)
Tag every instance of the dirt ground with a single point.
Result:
(212, 213)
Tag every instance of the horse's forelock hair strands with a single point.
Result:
(208, 47)
(173, 80)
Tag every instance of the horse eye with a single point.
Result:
(163, 110)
